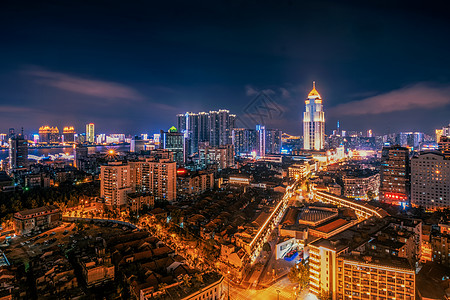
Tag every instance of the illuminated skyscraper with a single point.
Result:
(215, 127)
(175, 142)
(90, 133)
(221, 124)
(49, 135)
(68, 134)
(261, 129)
(188, 124)
(245, 141)
(273, 141)
(313, 121)
(18, 152)
(80, 156)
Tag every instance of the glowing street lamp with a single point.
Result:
(228, 285)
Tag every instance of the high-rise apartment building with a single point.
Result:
(115, 183)
(49, 135)
(446, 130)
(188, 124)
(156, 176)
(137, 144)
(68, 134)
(314, 121)
(245, 141)
(222, 157)
(80, 155)
(411, 139)
(203, 129)
(221, 124)
(11, 133)
(215, 127)
(395, 175)
(174, 141)
(90, 133)
(261, 130)
(444, 146)
(273, 141)
(18, 152)
(430, 181)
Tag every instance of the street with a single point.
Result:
(284, 286)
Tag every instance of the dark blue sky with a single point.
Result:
(130, 66)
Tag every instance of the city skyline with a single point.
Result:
(134, 77)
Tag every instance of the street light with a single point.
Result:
(228, 285)
(278, 296)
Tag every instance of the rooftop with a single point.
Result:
(385, 261)
(47, 208)
(332, 225)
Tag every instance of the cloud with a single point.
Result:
(251, 91)
(15, 109)
(88, 87)
(285, 93)
(418, 96)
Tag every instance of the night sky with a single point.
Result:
(131, 66)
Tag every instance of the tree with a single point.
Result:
(266, 247)
(324, 295)
(370, 195)
(299, 274)
(162, 288)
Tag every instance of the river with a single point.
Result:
(53, 151)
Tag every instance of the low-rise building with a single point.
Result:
(137, 201)
(358, 185)
(194, 183)
(299, 170)
(97, 271)
(40, 218)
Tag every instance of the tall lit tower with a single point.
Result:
(313, 121)
(90, 133)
